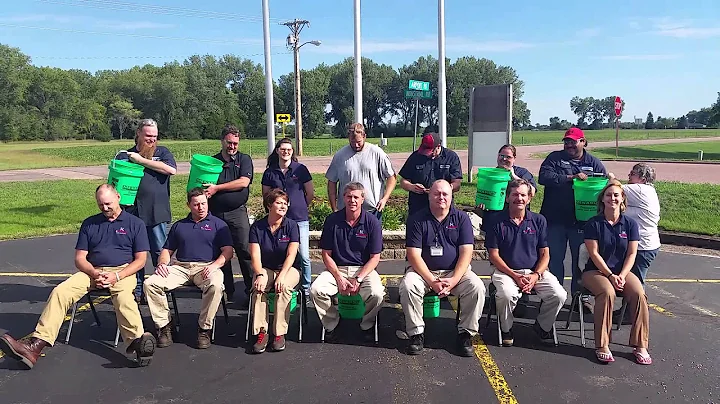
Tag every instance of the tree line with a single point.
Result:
(195, 98)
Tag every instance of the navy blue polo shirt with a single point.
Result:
(111, 244)
(273, 247)
(518, 244)
(424, 231)
(558, 204)
(152, 203)
(351, 246)
(239, 165)
(293, 183)
(612, 240)
(198, 242)
(491, 216)
(421, 169)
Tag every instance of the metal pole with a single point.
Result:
(442, 87)
(617, 136)
(358, 67)
(269, 106)
(298, 103)
(417, 101)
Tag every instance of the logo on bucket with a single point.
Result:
(586, 203)
(486, 193)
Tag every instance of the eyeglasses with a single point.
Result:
(286, 151)
(571, 141)
(505, 156)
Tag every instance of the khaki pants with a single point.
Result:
(73, 289)
(181, 274)
(604, 292)
(282, 302)
(552, 294)
(470, 292)
(324, 288)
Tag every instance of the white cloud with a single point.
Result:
(421, 45)
(682, 28)
(641, 57)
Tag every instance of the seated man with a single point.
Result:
(518, 249)
(439, 244)
(111, 247)
(202, 244)
(351, 243)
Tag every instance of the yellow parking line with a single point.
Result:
(82, 308)
(660, 309)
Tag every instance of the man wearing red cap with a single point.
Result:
(431, 162)
(557, 173)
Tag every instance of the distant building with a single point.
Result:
(638, 121)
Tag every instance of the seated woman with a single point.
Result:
(274, 242)
(611, 239)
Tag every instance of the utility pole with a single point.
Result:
(442, 84)
(293, 42)
(358, 64)
(269, 105)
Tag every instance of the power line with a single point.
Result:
(158, 10)
(139, 57)
(76, 31)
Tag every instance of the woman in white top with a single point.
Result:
(643, 206)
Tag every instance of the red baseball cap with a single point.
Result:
(429, 142)
(574, 134)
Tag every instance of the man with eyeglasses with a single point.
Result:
(152, 203)
(429, 163)
(557, 173)
(227, 201)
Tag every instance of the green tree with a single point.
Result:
(122, 115)
(649, 122)
(714, 117)
(52, 96)
(14, 79)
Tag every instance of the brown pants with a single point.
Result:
(604, 292)
(282, 302)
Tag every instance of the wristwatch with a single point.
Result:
(358, 278)
(539, 274)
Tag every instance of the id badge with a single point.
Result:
(436, 251)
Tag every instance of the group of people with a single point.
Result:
(526, 249)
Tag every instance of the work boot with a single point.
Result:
(26, 352)
(143, 348)
(262, 341)
(507, 338)
(165, 336)
(368, 335)
(464, 342)
(546, 337)
(416, 344)
(279, 343)
(203, 340)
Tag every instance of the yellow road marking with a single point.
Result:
(84, 307)
(502, 389)
(660, 309)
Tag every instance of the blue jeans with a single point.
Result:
(558, 238)
(642, 263)
(304, 255)
(156, 235)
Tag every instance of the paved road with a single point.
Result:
(683, 344)
(683, 172)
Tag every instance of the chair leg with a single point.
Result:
(70, 326)
(322, 334)
(582, 322)
(117, 337)
(623, 308)
(177, 312)
(94, 312)
(457, 314)
(212, 334)
(376, 327)
(249, 319)
(572, 309)
(554, 330)
(499, 328)
(302, 314)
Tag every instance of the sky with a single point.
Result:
(661, 56)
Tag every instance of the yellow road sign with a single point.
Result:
(282, 118)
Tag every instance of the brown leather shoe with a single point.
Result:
(143, 348)
(203, 341)
(165, 336)
(26, 352)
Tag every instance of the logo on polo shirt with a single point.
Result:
(361, 233)
(529, 230)
(444, 166)
(623, 234)
(294, 177)
(121, 231)
(284, 238)
(419, 167)
(206, 227)
(451, 226)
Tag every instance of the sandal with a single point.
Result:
(642, 358)
(604, 357)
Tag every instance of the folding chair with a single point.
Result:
(577, 298)
(89, 295)
(322, 333)
(492, 309)
(193, 288)
(303, 313)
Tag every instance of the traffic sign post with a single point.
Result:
(418, 85)
(283, 119)
(618, 112)
(417, 90)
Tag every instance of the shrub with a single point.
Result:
(319, 210)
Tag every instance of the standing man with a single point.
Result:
(431, 162)
(227, 201)
(440, 244)
(557, 173)
(202, 245)
(366, 164)
(111, 247)
(152, 203)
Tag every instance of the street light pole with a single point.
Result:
(442, 85)
(358, 66)
(269, 105)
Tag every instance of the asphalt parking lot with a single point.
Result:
(684, 325)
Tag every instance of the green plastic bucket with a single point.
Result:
(491, 186)
(586, 194)
(203, 170)
(271, 301)
(431, 306)
(351, 307)
(125, 176)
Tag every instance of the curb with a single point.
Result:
(690, 240)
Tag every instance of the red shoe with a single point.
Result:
(25, 351)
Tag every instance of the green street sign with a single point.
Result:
(418, 94)
(418, 85)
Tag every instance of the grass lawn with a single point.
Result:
(24, 155)
(670, 151)
(32, 209)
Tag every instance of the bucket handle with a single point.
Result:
(119, 151)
